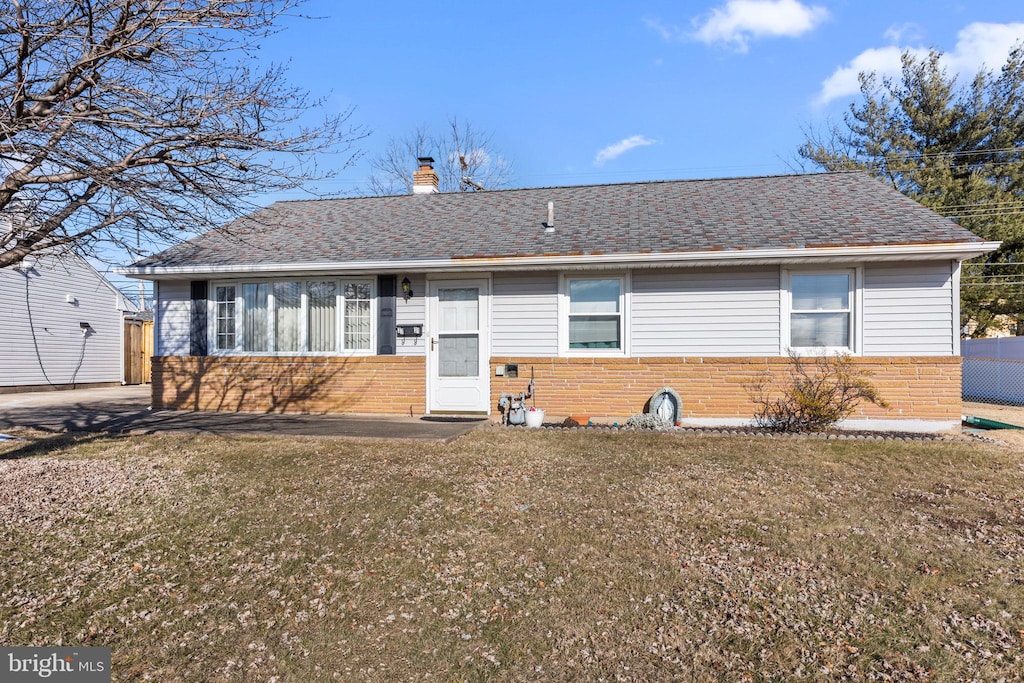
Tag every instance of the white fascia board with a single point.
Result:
(898, 252)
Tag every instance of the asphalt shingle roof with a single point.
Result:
(787, 212)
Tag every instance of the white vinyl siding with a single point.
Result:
(41, 340)
(412, 312)
(705, 312)
(908, 309)
(524, 315)
(174, 318)
(901, 309)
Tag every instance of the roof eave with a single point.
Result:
(896, 252)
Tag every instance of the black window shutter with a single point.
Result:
(198, 333)
(387, 288)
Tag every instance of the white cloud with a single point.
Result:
(983, 45)
(667, 32)
(619, 148)
(885, 61)
(902, 33)
(978, 45)
(740, 20)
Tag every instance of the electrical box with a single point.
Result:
(512, 370)
(409, 330)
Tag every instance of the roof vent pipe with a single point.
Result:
(550, 225)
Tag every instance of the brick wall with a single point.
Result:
(388, 385)
(922, 388)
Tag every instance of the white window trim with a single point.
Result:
(625, 300)
(856, 312)
(211, 319)
(303, 318)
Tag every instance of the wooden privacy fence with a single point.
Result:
(138, 351)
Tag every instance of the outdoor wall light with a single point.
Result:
(406, 289)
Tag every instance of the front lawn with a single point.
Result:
(517, 555)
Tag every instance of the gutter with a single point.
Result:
(900, 252)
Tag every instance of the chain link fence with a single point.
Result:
(993, 370)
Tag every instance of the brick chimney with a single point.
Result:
(424, 181)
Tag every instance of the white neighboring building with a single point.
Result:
(61, 326)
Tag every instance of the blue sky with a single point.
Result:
(585, 92)
(590, 92)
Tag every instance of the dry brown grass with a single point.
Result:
(516, 555)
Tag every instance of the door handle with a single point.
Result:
(433, 343)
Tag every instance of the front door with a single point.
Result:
(457, 352)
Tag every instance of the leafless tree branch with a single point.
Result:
(465, 159)
(128, 118)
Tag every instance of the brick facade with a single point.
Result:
(921, 388)
(387, 385)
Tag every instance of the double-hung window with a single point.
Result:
(328, 315)
(821, 310)
(594, 320)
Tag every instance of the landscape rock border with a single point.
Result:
(834, 435)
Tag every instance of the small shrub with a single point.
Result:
(819, 392)
(647, 421)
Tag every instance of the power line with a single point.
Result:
(906, 156)
(992, 284)
(980, 214)
(1009, 202)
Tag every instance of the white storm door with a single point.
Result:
(457, 351)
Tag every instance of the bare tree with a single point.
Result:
(124, 119)
(466, 162)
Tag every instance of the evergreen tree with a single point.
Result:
(956, 147)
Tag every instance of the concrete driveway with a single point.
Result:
(122, 410)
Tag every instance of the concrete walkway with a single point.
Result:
(123, 410)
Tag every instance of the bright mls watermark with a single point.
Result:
(60, 664)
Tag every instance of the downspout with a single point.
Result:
(157, 337)
(120, 321)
